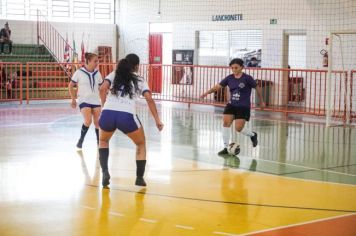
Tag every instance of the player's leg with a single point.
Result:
(138, 137)
(242, 116)
(228, 118)
(130, 125)
(87, 117)
(107, 126)
(96, 114)
(104, 138)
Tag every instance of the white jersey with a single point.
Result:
(88, 86)
(124, 103)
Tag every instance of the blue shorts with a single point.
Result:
(125, 122)
(83, 104)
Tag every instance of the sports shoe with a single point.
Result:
(254, 139)
(237, 151)
(140, 181)
(223, 152)
(106, 179)
(80, 144)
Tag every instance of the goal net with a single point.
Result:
(340, 85)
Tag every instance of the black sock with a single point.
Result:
(140, 167)
(103, 158)
(83, 132)
(97, 135)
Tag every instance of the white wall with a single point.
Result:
(316, 17)
(25, 32)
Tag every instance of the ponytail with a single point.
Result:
(124, 79)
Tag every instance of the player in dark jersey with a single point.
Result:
(239, 106)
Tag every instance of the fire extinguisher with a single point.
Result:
(325, 57)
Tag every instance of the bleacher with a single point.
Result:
(33, 64)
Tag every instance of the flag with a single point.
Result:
(75, 55)
(82, 48)
(66, 50)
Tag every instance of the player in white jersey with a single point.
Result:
(88, 80)
(119, 93)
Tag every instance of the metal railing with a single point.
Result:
(284, 90)
(51, 38)
(11, 82)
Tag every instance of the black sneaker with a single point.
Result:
(223, 152)
(106, 179)
(140, 181)
(80, 144)
(254, 140)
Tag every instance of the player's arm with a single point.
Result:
(212, 90)
(152, 106)
(103, 91)
(72, 94)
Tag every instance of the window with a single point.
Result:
(246, 44)
(102, 10)
(219, 47)
(15, 8)
(86, 11)
(41, 5)
(214, 43)
(60, 8)
(81, 9)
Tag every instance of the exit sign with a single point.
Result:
(273, 21)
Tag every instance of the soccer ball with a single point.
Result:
(233, 149)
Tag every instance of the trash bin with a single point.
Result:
(295, 89)
(265, 87)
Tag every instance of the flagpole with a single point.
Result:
(88, 43)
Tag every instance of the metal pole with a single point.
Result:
(328, 83)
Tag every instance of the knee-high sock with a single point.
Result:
(140, 167)
(83, 132)
(103, 158)
(97, 135)
(247, 132)
(226, 136)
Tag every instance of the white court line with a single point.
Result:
(185, 227)
(305, 167)
(25, 124)
(148, 220)
(298, 224)
(35, 124)
(293, 178)
(281, 163)
(115, 213)
(87, 207)
(223, 233)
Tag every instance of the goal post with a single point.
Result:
(341, 63)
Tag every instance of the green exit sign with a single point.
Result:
(273, 21)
